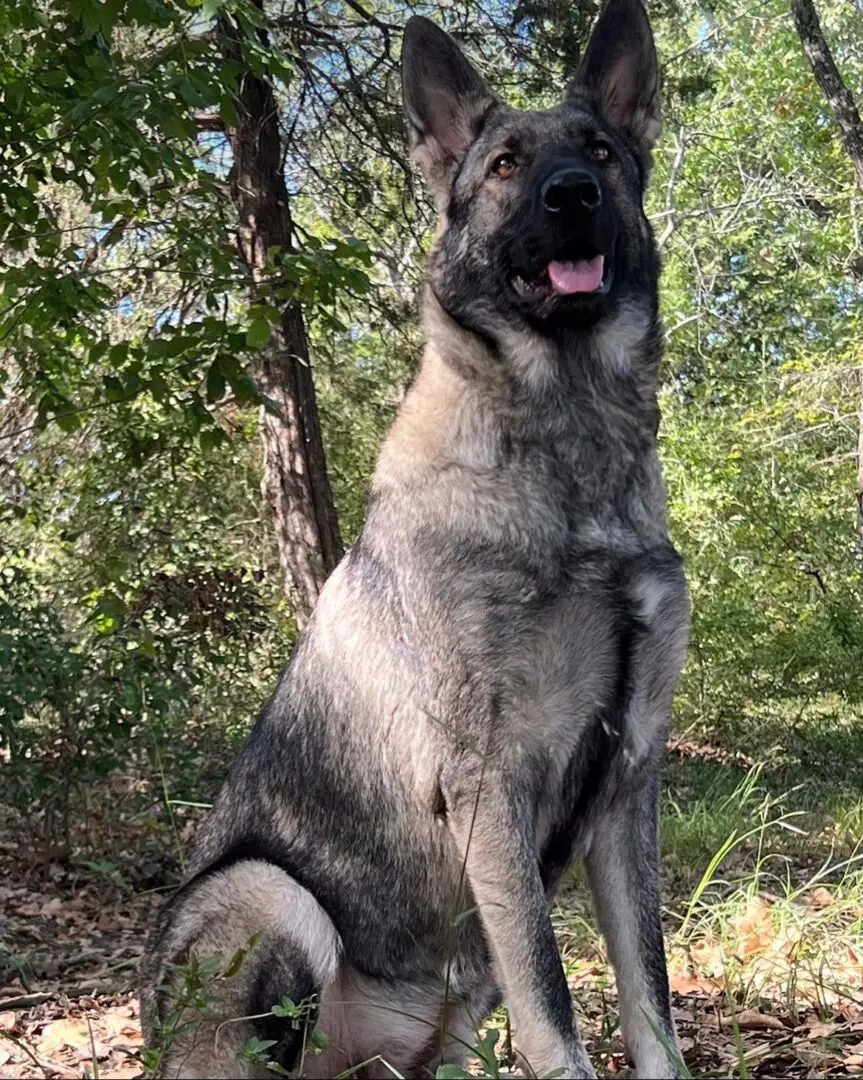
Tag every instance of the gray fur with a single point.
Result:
(483, 692)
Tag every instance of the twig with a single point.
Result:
(26, 1001)
(47, 1067)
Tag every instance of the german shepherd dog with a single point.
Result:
(483, 692)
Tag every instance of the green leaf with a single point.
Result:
(147, 645)
(210, 438)
(235, 963)
(117, 354)
(228, 111)
(255, 1050)
(68, 421)
(216, 382)
(245, 389)
(159, 387)
(176, 126)
(275, 1067)
(114, 389)
(286, 1007)
(258, 333)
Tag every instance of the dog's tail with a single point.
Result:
(232, 944)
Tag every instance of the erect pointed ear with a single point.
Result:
(445, 101)
(620, 72)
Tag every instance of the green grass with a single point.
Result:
(763, 886)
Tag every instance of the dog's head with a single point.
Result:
(541, 218)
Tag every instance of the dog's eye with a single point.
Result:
(599, 152)
(504, 166)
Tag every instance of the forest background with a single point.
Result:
(190, 408)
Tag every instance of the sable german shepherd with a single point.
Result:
(483, 692)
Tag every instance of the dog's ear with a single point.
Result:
(445, 101)
(620, 72)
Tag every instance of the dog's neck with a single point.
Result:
(476, 398)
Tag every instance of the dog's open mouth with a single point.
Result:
(564, 278)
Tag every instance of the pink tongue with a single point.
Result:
(576, 277)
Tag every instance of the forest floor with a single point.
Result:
(763, 864)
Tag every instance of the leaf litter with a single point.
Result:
(770, 989)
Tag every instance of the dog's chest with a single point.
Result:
(597, 470)
(617, 485)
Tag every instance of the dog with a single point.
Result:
(483, 692)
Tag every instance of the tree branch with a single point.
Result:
(838, 96)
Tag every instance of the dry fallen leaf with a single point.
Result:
(820, 1029)
(688, 984)
(54, 905)
(62, 1033)
(752, 1020)
(117, 1024)
(127, 1071)
(819, 898)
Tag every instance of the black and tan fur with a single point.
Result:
(483, 692)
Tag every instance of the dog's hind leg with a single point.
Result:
(623, 871)
(198, 1012)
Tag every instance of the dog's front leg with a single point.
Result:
(494, 828)
(623, 870)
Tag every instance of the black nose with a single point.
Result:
(571, 189)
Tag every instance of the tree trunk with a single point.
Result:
(296, 483)
(847, 117)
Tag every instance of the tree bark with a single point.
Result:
(296, 483)
(847, 117)
(838, 96)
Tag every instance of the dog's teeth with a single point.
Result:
(529, 288)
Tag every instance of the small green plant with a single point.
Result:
(191, 990)
(302, 1015)
(255, 1051)
(110, 872)
(490, 1060)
